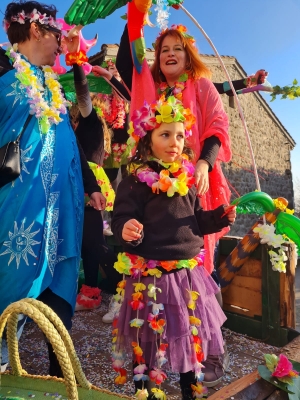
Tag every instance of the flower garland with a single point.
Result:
(281, 368)
(137, 267)
(164, 89)
(180, 28)
(47, 115)
(113, 110)
(34, 16)
(183, 177)
(267, 235)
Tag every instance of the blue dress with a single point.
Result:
(41, 212)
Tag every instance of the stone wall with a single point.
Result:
(271, 142)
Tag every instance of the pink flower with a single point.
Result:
(284, 367)
(140, 369)
(148, 176)
(157, 375)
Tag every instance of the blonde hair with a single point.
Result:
(195, 67)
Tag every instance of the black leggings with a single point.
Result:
(94, 251)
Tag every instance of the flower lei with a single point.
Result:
(176, 90)
(137, 267)
(34, 16)
(47, 115)
(182, 180)
(118, 150)
(114, 110)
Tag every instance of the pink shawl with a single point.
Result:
(203, 99)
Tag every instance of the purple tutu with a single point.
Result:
(174, 296)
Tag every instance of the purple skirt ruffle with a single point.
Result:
(177, 334)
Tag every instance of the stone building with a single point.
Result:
(271, 142)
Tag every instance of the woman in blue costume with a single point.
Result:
(41, 212)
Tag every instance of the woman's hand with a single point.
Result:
(132, 230)
(230, 212)
(99, 71)
(201, 176)
(72, 44)
(97, 200)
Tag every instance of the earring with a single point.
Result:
(39, 39)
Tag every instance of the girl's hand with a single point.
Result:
(230, 212)
(201, 176)
(97, 200)
(132, 230)
(99, 71)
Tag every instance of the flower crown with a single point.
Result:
(151, 116)
(109, 63)
(34, 16)
(180, 28)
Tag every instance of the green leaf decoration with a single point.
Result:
(267, 376)
(171, 2)
(289, 225)
(96, 84)
(124, 17)
(255, 201)
(271, 361)
(183, 78)
(84, 12)
(287, 92)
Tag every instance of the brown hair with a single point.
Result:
(19, 33)
(143, 151)
(194, 67)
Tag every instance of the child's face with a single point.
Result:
(167, 141)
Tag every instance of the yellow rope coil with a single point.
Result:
(55, 332)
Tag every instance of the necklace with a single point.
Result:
(182, 171)
(46, 114)
(176, 90)
(114, 110)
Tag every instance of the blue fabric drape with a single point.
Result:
(41, 212)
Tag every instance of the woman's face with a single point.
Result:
(113, 70)
(172, 58)
(49, 46)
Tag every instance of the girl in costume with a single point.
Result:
(115, 112)
(169, 315)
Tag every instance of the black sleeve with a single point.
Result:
(121, 88)
(90, 184)
(210, 151)
(5, 65)
(129, 204)
(82, 91)
(210, 221)
(225, 87)
(124, 61)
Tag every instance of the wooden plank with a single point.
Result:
(228, 243)
(244, 325)
(287, 290)
(252, 267)
(244, 292)
(270, 301)
(278, 395)
(236, 387)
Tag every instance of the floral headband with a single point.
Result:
(151, 116)
(180, 28)
(109, 63)
(34, 16)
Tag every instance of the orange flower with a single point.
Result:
(137, 296)
(168, 265)
(122, 378)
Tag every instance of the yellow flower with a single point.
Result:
(192, 263)
(154, 272)
(123, 264)
(159, 394)
(165, 112)
(139, 287)
(194, 321)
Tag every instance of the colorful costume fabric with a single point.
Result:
(41, 212)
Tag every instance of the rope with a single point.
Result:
(58, 337)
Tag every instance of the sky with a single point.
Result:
(258, 33)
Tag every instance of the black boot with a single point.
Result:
(54, 369)
(186, 380)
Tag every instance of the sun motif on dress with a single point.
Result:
(19, 245)
(17, 92)
(24, 160)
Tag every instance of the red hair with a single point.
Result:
(195, 68)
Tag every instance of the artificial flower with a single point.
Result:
(168, 265)
(136, 323)
(137, 305)
(142, 394)
(192, 298)
(159, 394)
(138, 352)
(152, 290)
(123, 264)
(156, 325)
(140, 377)
(153, 272)
(139, 287)
(194, 321)
(140, 369)
(157, 375)
(122, 377)
(156, 308)
(117, 364)
(199, 391)
(281, 368)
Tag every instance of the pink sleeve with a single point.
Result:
(213, 120)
